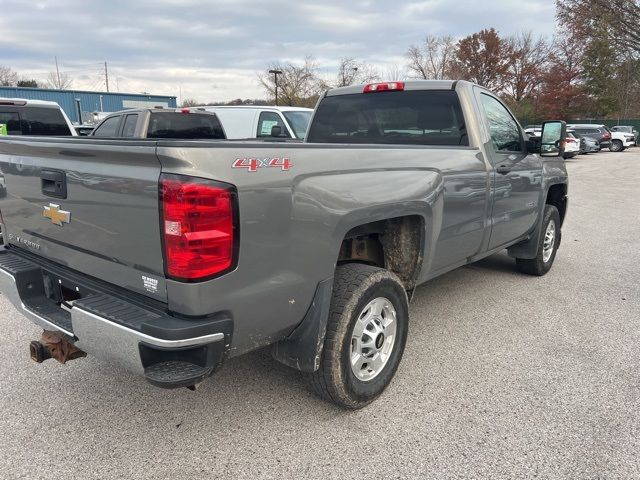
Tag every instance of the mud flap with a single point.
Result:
(302, 349)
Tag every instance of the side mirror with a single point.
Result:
(276, 131)
(553, 137)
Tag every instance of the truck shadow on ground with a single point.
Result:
(252, 383)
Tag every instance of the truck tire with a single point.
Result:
(548, 246)
(366, 336)
(616, 146)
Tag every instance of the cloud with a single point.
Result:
(212, 50)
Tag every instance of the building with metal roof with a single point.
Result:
(80, 105)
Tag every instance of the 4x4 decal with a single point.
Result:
(253, 164)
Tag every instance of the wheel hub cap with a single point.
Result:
(549, 241)
(373, 339)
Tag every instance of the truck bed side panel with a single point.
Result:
(292, 222)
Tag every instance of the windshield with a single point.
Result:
(299, 122)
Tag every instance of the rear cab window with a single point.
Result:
(185, 126)
(413, 117)
(27, 120)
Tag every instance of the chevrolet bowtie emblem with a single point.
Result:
(57, 216)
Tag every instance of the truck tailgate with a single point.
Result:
(91, 205)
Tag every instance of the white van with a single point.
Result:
(258, 121)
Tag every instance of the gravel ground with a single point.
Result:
(504, 376)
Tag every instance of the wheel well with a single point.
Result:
(395, 244)
(557, 197)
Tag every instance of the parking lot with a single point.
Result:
(504, 376)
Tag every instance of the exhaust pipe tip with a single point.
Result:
(38, 352)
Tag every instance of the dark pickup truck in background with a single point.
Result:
(180, 123)
(169, 256)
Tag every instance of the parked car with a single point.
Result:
(627, 129)
(19, 116)
(241, 122)
(226, 247)
(598, 132)
(533, 130)
(573, 145)
(621, 141)
(587, 143)
(181, 123)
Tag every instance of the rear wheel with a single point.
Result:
(616, 146)
(548, 246)
(366, 336)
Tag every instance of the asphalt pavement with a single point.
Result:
(504, 376)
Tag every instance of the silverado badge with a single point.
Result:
(57, 216)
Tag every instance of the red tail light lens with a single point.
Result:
(199, 227)
(606, 135)
(383, 87)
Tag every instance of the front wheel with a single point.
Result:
(616, 146)
(366, 335)
(547, 247)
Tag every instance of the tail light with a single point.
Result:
(383, 87)
(606, 135)
(199, 226)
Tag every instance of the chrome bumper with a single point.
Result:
(99, 336)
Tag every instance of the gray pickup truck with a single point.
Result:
(168, 257)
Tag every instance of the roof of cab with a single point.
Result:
(408, 85)
(256, 107)
(23, 102)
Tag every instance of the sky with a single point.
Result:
(213, 50)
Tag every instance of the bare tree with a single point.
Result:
(190, 102)
(351, 71)
(528, 65)
(394, 73)
(432, 59)
(8, 78)
(60, 81)
(298, 84)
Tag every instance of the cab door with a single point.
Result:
(516, 177)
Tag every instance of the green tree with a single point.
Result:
(27, 83)
(600, 64)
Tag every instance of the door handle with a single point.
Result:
(503, 169)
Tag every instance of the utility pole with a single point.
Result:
(58, 73)
(106, 76)
(275, 77)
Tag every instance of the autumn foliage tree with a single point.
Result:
(586, 18)
(484, 58)
(563, 94)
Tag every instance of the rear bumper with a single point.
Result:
(170, 352)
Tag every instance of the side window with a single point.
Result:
(504, 130)
(108, 128)
(268, 120)
(129, 128)
(10, 123)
